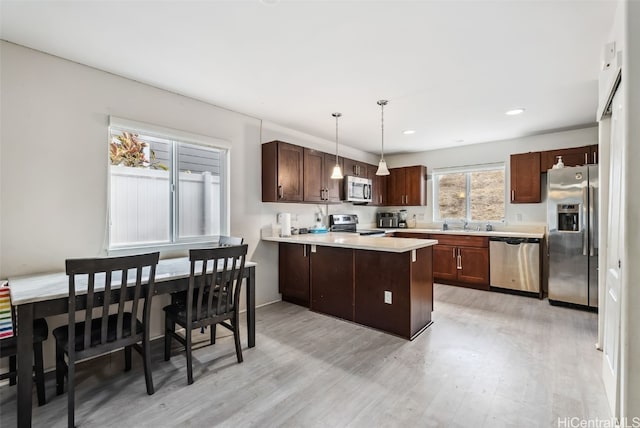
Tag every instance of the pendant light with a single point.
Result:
(337, 171)
(382, 165)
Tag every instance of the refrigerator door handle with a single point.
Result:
(591, 221)
(585, 234)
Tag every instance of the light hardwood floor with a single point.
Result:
(489, 360)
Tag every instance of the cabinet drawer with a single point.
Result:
(461, 240)
(414, 235)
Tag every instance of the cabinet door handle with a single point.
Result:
(459, 262)
(454, 253)
(595, 157)
(280, 192)
(513, 195)
(304, 250)
(586, 158)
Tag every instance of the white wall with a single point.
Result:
(53, 164)
(492, 152)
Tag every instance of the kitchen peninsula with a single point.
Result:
(384, 283)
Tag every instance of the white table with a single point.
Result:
(42, 295)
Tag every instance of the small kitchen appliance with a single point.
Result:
(347, 223)
(357, 189)
(387, 220)
(402, 219)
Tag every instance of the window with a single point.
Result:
(474, 193)
(167, 187)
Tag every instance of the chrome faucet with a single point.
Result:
(465, 223)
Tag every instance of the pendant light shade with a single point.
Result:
(382, 168)
(382, 165)
(337, 171)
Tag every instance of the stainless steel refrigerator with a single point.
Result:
(572, 219)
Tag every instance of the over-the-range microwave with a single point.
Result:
(357, 189)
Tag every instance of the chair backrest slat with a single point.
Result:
(101, 273)
(89, 310)
(217, 272)
(123, 298)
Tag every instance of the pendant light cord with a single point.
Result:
(337, 115)
(382, 129)
(382, 103)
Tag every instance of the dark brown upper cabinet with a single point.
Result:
(378, 186)
(574, 156)
(318, 184)
(525, 178)
(407, 186)
(355, 168)
(282, 172)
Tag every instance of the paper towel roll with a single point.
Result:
(285, 222)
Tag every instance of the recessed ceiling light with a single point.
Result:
(409, 132)
(514, 112)
(459, 141)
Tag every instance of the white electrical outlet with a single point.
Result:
(387, 297)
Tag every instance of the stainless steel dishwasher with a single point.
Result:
(515, 263)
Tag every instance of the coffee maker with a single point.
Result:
(402, 219)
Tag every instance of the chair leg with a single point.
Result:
(39, 369)
(127, 358)
(13, 368)
(187, 336)
(169, 330)
(213, 333)
(60, 369)
(71, 391)
(236, 336)
(146, 349)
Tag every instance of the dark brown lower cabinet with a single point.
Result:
(293, 273)
(332, 281)
(351, 284)
(461, 260)
(444, 263)
(409, 282)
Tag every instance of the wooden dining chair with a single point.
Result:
(9, 348)
(215, 281)
(100, 331)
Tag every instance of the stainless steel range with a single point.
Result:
(348, 223)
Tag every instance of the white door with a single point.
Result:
(611, 348)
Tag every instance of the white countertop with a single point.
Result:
(504, 233)
(355, 241)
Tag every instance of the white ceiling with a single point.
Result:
(450, 69)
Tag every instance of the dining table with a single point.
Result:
(43, 295)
